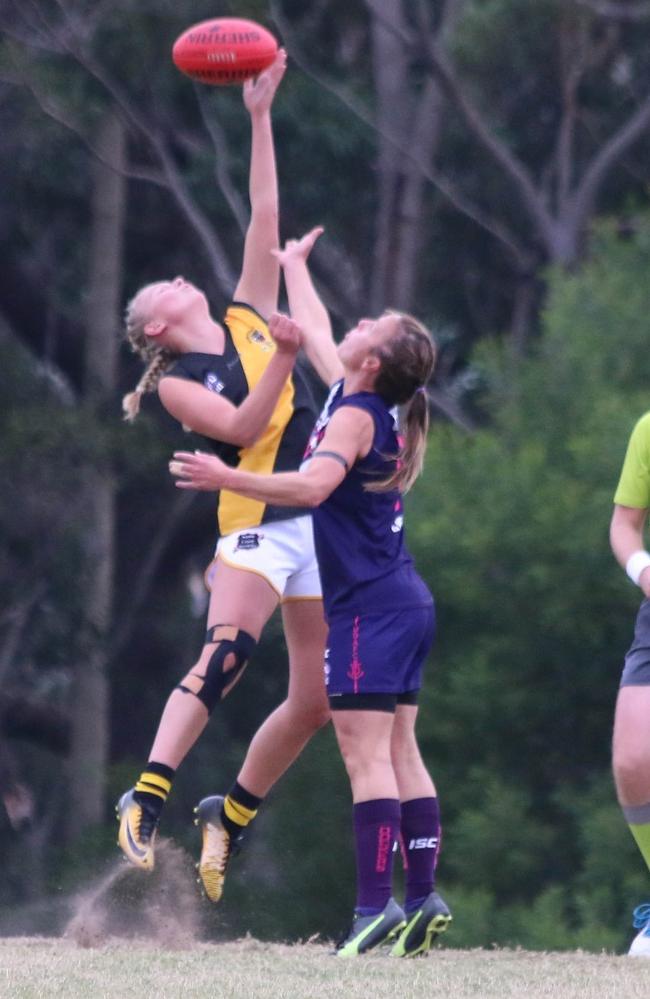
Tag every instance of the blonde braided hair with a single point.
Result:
(159, 358)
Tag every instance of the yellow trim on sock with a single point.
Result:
(161, 782)
(148, 789)
(237, 812)
(154, 784)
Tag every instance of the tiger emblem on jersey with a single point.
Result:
(256, 336)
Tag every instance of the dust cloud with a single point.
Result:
(163, 907)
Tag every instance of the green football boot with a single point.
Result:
(422, 927)
(367, 932)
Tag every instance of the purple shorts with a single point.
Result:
(378, 653)
(636, 672)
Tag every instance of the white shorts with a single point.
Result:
(282, 552)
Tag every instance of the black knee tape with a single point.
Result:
(233, 650)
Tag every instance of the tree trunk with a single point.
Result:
(524, 309)
(394, 101)
(90, 695)
(411, 229)
(405, 119)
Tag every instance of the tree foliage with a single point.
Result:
(458, 154)
(510, 527)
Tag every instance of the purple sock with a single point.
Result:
(421, 832)
(376, 827)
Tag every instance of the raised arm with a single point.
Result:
(210, 414)
(259, 283)
(348, 436)
(307, 308)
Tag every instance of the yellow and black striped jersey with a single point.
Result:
(233, 374)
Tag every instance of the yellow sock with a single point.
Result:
(154, 784)
(641, 834)
(239, 808)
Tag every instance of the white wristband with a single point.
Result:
(636, 563)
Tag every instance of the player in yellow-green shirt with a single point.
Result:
(631, 743)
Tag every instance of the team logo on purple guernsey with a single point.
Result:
(246, 542)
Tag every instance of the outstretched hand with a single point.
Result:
(298, 249)
(286, 333)
(260, 90)
(196, 470)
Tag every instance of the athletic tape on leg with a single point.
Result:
(233, 649)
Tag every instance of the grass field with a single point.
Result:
(129, 936)
(33, 967)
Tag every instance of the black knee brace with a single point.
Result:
(233, 649)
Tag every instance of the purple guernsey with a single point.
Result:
(359, 535)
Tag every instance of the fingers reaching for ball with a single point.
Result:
(260, 91)
(298, 249)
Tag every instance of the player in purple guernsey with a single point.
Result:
(380, 614)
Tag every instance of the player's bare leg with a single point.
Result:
(240, 605)
(274, 747)
(631, 766)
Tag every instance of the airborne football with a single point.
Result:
(224, 50)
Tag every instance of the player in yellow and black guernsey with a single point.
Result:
(234, 384)
(232, 375)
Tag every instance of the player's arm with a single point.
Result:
(307, 308)
(259, 283)
(211, 415)
(348, 437)
(626, 539)
(631, 504)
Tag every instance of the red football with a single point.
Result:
(224, 50)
